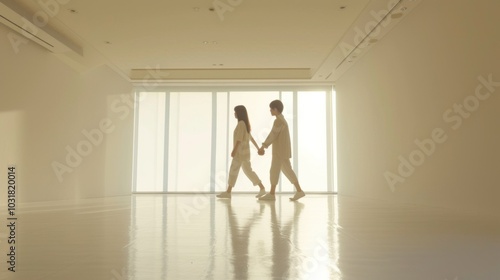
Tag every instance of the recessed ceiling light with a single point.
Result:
(73, 11)
(342, 7)
(211, 9)
(205, 42)
(196, 9)
(107, 42)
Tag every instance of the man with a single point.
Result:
(279, 137)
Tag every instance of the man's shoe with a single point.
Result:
(269, 197)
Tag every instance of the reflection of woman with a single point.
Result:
(281, 247)
(241, 153)
(240, 236)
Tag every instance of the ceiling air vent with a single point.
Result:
(20, 22)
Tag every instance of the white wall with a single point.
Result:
(398, 93)
(44, 108)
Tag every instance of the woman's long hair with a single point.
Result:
(242, 115)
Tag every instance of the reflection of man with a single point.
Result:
(283, 256)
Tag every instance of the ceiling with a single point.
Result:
(173, 40)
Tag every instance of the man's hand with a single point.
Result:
(261, 152)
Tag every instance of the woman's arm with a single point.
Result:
(253, 142)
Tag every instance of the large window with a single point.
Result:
(184, 138)
(150, 144)
(189, 141)
(312, 138)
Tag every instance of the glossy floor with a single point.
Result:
(201, 237)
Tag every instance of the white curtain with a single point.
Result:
(184, 138)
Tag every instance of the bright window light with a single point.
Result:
(184, 139)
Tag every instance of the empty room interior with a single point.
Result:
(117, 121)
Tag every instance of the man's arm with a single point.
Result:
(275, 131)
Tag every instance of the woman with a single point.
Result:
(241, 154)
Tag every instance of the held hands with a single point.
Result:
(261, 151)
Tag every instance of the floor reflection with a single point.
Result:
(282, 244)
(187, 237)
(240, 235)
(321, 237)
